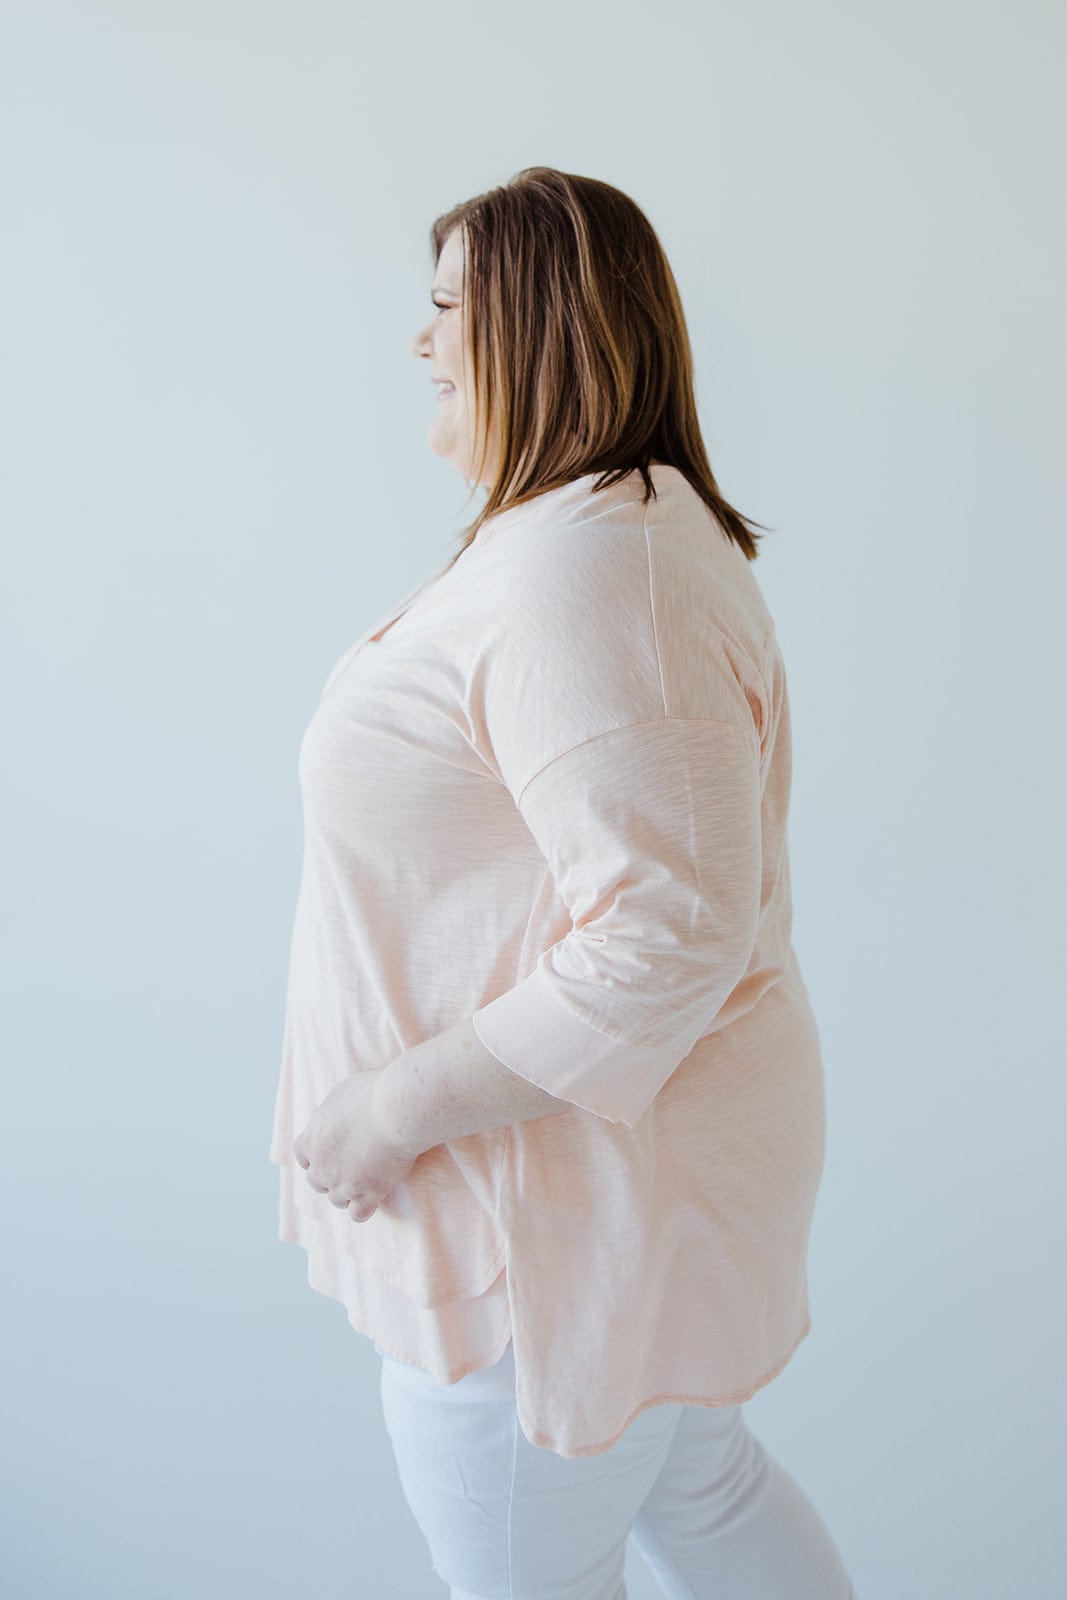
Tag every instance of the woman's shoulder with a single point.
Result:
(622, 611)
(611, 561)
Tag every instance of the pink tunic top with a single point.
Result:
(550, 790)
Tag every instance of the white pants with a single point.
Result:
(712, 1513)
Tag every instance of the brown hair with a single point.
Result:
(577, 344)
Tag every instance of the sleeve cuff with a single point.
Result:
(531, 1030)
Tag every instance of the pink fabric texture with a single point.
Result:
(549, 790)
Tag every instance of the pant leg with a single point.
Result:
(724, 1520)
(505, 1519)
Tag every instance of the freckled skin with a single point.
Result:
(452, 1085)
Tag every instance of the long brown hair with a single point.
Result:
(577, 344)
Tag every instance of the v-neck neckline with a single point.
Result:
(414, 596)
(404, 606)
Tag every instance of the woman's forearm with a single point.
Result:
(451, 1085)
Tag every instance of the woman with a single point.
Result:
(549, 1061)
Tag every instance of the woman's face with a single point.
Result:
(442, 341)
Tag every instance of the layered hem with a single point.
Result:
(447, 1340)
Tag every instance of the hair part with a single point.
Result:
(577, 346)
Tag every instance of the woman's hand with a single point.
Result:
(347, 1154)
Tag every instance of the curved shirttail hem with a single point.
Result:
(738, 1397)
(372, 1266)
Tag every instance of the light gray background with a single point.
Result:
(216, 475)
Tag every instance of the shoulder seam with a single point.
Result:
(652, 610)
(625, 727)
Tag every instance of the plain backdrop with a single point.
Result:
(215, 475)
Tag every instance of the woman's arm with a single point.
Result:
(452, 1085)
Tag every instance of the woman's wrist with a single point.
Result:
(391, 1106)
(450, 1086)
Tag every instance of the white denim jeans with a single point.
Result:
(712, 1513)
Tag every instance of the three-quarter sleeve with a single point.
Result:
(652, 834)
